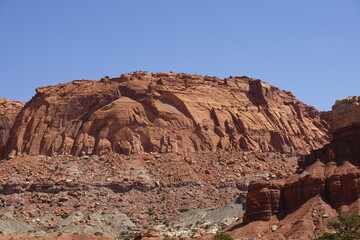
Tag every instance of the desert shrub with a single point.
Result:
(346, 226)
(328, 236)
(222, 236)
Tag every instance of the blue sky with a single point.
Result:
(311, 48)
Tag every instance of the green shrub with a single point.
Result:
(346, 225)
(328, 236)
(222, 236)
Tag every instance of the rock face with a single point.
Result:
(165, 112)
(346, 112)
(331, 173)
(8, 111)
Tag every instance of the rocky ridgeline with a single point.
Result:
(165, 112)
(328, 176)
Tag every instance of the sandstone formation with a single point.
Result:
(331, 174)
(85, 154)
(8, 111)
(165, 112)
(346, 112)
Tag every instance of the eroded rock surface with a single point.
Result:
(331, 174)
(346, 112)
(165, 112)
(8, 112)
(216, 135)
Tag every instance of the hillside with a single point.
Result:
(165, 112)
(170, 151)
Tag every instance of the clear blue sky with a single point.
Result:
(311, 48)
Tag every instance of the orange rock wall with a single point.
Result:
(331, 173)
(8, 111)
(165, 112)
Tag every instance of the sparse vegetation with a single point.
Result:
(346, 225)
(222, 236)
(166, 223)
(124, 236)
(222, 226)
(197, 223)
(150, 211)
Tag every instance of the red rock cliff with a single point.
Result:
(330, 173)
(8, 111)
(165, 112)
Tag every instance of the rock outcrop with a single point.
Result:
(8, 111)
(165, 112)
(346, 112)
(331, 173)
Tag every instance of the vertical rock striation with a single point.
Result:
(330, 173)
(165, 112)
(8, 111)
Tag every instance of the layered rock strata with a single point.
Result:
(165, 112)
(8, 111)
(331, 173)
(346, 112)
